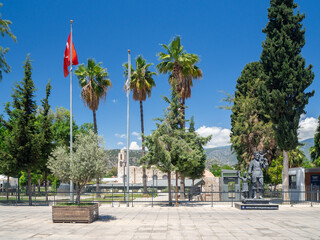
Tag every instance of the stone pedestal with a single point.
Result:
(256, 204)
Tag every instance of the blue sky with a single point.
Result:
(225, 34)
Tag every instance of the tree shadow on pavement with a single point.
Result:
(106, 218)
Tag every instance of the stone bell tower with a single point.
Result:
(122, 158)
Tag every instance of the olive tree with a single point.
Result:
(88, 161)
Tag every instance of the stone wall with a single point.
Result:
(211, 183)
(135, 173)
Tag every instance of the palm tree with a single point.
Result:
(95, 82)
(5, 30)
(182, 69)
(296, 157)
(141, 84)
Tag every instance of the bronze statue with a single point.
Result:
(245, 186)
(255, 170)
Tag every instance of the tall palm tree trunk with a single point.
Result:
(95, 128)
(182, 178)
(183, 111)
(144, 175)
(96, 132)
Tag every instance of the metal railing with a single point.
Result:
(116, 196)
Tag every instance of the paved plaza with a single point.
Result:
(207, 223)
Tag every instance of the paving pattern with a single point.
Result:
(122, 223)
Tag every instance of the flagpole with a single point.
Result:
(71, 183)
(128, 135)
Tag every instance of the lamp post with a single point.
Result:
(157, 181)
(152, 183)
(123, 163)
(71, 139)
(152, 177)
(128, 125)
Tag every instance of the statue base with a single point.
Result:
(255, 201)
(256, 204)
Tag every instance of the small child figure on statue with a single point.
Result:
(245, 186)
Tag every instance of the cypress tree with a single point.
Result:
(46, 135)
(251, 128)
(196, 143)
(24, 146)
(286, 75)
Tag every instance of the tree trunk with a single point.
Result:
(96, 132)
(7, 187)
(95, 128)
(18, 188)
(29, 187)
(177, 74)
(176, 189)
(183, 111)
(144, 175)
(285, 176)
(78, 191)
(182, 179)
(98, 187)
(169, 188)
(39, 183)
(182, 188)
(46, 184)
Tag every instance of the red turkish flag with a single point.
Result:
(66, 59)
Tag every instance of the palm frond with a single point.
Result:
(180, 65)
(95, 83)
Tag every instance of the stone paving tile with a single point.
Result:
(157, 223)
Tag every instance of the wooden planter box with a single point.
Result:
(75, 214)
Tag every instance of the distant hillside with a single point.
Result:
(308, 143)
(219, 155)
(134, 156)
(224, 155)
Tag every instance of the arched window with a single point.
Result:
(155, 177)
(164, 177)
